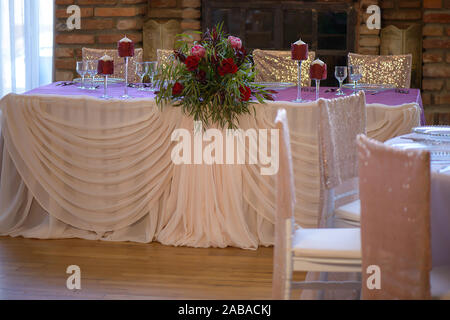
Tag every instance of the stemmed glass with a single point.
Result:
(92, 71)
(354, 75)
(151, 66)
(82, 70)
(141, 71)
(340, 72)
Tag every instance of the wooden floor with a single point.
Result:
(36, 269)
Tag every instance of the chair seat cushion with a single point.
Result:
(328, 243)
(440, 281)
(350, 211)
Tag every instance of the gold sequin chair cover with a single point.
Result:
(119, 63)
(391, 70)
(395, 219)
(164, 56)
(277, 66)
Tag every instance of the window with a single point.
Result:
(26, 44)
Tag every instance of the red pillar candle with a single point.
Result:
(105, 65)
(299, 50)
(318, 70)
(126, 48)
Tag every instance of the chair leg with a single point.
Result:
(322, 278)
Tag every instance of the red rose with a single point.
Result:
(192, 63)
(177, 89)
(246, 93)
(227, 66)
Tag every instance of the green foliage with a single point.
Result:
(209, 95)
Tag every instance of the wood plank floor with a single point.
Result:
(36, 269)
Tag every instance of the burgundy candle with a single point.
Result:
(105, 65)
(318, 70)
(299, 51)
(126, 48)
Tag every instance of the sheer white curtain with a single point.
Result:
(26, 44)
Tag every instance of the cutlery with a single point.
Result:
(445, 169)
(63, 84)
(427, 141)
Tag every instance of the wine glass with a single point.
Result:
(141, 71)
(354, 75)
(151, 66)
(340, 72)
(82, 70)
(92, 72)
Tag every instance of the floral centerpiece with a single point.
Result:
(211, 80)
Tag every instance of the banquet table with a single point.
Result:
(440, 199)
(76, 166)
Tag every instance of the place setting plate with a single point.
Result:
(434, 131)
(276, 85)
(369, 88)
(98, 80)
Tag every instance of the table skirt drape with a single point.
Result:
(79, 167)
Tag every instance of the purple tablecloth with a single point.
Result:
(389, 97)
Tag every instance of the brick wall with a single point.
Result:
(188, 12)
(401, 13)
(104, 22)
(436, 58)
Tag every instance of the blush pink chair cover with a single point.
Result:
(395, 219)
(341, 120)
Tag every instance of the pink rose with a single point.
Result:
(198, 51)
(235, 42)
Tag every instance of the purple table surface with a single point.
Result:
(388, 97)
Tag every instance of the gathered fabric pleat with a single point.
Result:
(80, 167)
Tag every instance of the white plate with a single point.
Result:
(98, 80)
(369, 87)
(437, 131)
(276, 85)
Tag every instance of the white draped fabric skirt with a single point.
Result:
(79, 167)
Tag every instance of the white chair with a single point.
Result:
(316, 250)
(340, 121)
(395, 223)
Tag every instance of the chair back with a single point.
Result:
(277, 66)
(164, 56)
(284, 215)
(340, 122)
(395, 220)
(119, 63)
(390, 69)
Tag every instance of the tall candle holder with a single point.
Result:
(299, 83)
(125, 95)
(317, 89)
(105, 88)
